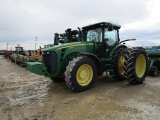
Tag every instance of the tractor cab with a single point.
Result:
(105, 35)
(17, 49)
(102, 32)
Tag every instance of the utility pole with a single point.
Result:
(7, 45)
(35, 43)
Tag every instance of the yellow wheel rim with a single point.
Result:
(84, 74)
(140, 65)
(121, 64)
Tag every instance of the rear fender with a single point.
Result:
(115, 48)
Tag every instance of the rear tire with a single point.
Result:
(80, 74)
(136, 65)
(153, 71)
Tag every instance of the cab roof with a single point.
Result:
(100, 24)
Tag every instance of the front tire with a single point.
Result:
(80, 74)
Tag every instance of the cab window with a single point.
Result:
(111, 37)
(95, 35)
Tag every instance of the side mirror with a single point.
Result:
(110, 27)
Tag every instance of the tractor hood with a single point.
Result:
(59, 55)
(68, 45)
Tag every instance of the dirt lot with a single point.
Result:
(26, 96)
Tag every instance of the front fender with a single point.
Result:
(96, 61)
(90, 55)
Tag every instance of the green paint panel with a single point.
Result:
(64, 50)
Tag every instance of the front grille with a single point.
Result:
(50, 60)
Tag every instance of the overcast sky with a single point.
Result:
(22, 20)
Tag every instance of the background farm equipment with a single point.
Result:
(21, 59)
(90, 52)
(35, 57)
(18, 56)
(67, 37)
(154, 62)
(18, 50)
(2, 52)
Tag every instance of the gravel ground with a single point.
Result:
(26, 96)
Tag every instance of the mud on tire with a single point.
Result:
(80, 74)
(136, 65)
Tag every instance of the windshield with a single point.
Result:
(95, 35)
(19, 49)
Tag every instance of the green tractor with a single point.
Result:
(95, 49)
(19, 56)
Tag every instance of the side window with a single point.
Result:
(95, 35)
(111, 37)
(92, 36)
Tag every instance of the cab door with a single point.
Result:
(95, 35)
(110, 38)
